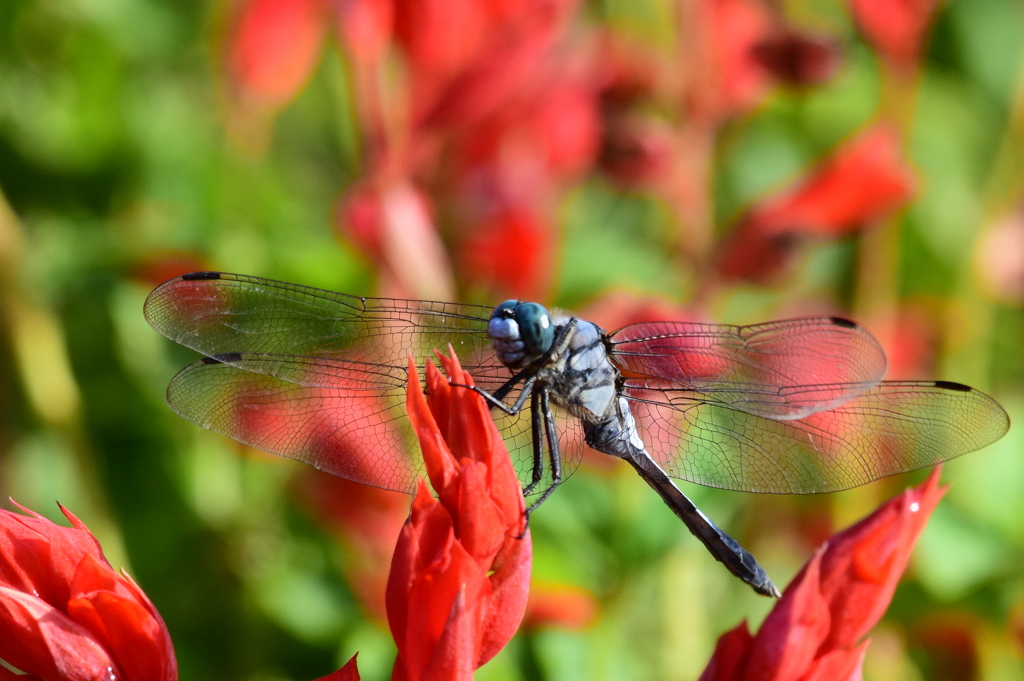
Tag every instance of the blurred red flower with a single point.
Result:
(65, 615)
(511, 254)
(562, 605)
(814, 632)
(460, 576)
(895, 27)
(273, 47)
(394, 227)
(862, 182)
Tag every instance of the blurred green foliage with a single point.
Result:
(113, 152)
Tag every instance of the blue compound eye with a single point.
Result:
(535, 327)
(505, 311)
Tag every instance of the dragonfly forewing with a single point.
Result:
(750, 368)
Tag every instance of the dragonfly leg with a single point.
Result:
(724, 548)
(555, 455)
(536, 415)
(494, 400)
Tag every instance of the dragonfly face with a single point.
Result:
(794, 406)
(520, 332)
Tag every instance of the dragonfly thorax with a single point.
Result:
(520, 332)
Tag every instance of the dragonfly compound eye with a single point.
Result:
(535, 327)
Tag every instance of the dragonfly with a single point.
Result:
(795, 406)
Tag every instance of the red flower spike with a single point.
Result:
(66, 615)
(349, 672)
(460, 574)
(863, 563)
(814, 631)
(274, 47)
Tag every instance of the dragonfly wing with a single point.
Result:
(751, 368)
(356, 432)
(342, 416)
(892, 428)
(216, 313)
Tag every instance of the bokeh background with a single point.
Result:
(713, 160)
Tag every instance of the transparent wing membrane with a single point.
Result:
(795, 406)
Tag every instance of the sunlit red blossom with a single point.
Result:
(559, 605)
(862, 182)
(895, 27)
(273, 47)
(393, 226)
(348, 672)
(460, 576)
(65, 615)
(815, 631)
(366, 520)
(798, 58)
(510, 254)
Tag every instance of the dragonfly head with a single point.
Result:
(520, 332)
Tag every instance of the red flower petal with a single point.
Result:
(863, 564)
(123, 625)
(510, 586)
(839, 665)
(40, 557)
(730, 654)
(40, 639)
(790, 636)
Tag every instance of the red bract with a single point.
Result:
(460, 576)
(895, 27)
(814, 632)
(65, 615)
(862, 182)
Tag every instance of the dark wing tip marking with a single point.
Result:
(950, 385)
(223, 358)
(845, 323)
(200, 276)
